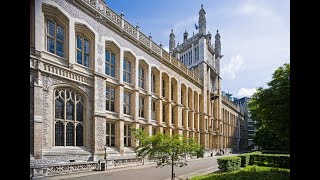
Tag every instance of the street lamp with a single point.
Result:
(105, 154)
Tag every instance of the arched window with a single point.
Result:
(69, 116)
(55, 37)
(110, 64)
(153, 83)
(83, 50)
(126, 71)
(141, 77)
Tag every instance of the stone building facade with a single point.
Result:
(94, 76)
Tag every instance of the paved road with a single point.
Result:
(153, 172)
(147, 172)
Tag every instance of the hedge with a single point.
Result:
(274, 152)
(272, 160)
(244, 159)
(228, 164)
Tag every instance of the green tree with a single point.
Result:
(270, 107)
(166, 149)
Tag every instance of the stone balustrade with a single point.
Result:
(134, 33)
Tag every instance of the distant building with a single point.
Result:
(250, 123)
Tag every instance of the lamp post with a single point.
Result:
(105, 154)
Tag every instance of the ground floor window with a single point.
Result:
(127, 135)
(110, 134)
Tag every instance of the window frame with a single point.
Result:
(127, 135)
(110, 135)
(127, 72)
(126, 103)
(141, 107)
(83, 53)
(77, 98)
(141, 77)
(109, 64)
(109, 99)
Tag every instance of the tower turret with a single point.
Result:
(172, 43)
(217, 45)
(202, 21)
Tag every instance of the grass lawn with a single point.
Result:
(249, 173)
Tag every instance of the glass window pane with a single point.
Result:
(112, 106)
(86, 46)
(79, 57)
(60, 33)
(50, 45)
(86, 60)
(128, 78)
(108, 105)
(59, 134)
(113, 144)
(50, 28)
(107, 56)
(59, 108)
(113, 71)
(108, 129)
(79, 135)
(79, 42)
(70, 134)
(112, 93)
(108, 140)
(79, 111)
(124, 65)
(107, 69)
(59, 49)
(124, 77)
(70, 110)
(112, 129)
(129, 142)
(129, 67)
(113, 59)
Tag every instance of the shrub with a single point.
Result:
(228, 164)
(244, 159)
(272, 160)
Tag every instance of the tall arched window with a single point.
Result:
(141, 77)
(153, 83)
(110, 63)
(69, 116)
(83, 50)
(55, 37)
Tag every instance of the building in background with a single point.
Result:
(94, 77)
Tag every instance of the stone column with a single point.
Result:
(147, 107)
(119, 101)
(120, 136)
(148, 129)
(168, 114)
(191, 120)
(37, 116)
(120, 74)
(99, 136)
(159, 111)
(134, 142)
(39, 31)
(135, 105)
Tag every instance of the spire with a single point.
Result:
(172, 43)
(185, 36)
(217, 47)
(202, 20)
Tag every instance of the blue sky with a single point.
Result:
(255, 34)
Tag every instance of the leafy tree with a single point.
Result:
(166, 149)
(270, 107)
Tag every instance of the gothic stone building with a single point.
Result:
(94, 76)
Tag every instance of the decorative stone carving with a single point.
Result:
(99, 48)
(100, 61)
(100, 134)
(100, 94)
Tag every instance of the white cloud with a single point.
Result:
(254, 9)
(230, 70)
(246, 92)
(166, 48)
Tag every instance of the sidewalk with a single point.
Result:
(130, 167)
